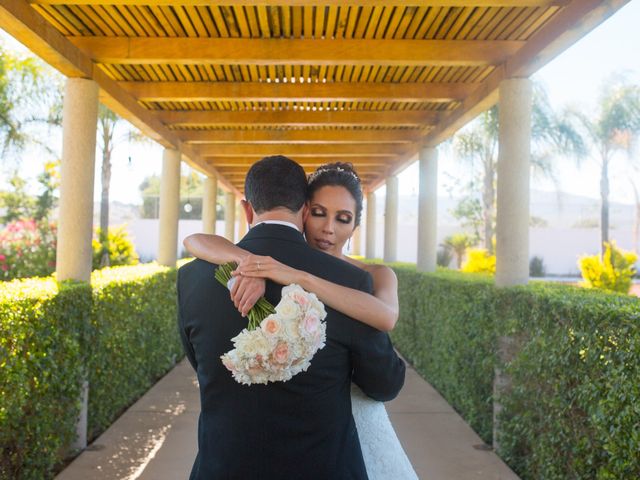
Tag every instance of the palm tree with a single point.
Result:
(616, 121)
(108, 122)
(458, 243)
(550, 134)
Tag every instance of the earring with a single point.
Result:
(349, 244)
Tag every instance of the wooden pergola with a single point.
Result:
(365, 81)
(372, 82)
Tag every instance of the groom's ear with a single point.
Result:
(248, 211)
(305, 212)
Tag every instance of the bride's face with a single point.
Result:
(331, 219)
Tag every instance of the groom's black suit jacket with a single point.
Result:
(300, 429)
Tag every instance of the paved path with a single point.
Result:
(156, 438)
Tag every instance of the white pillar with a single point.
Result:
(209, 204)
(428, 210)
(356, 241)
(370, 251)
(391, 220)
(75, 222)
(74, 252)
(230, 216)
(242, 221)
(512, 220)
(169, 207)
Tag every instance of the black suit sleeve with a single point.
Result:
(377, 369)
(184, 337)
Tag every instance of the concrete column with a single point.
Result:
(242, 221)
(230, 216)
(74, 251)
(75, 223)
(428, 210)
(209, 204)
(356, 241)
(370, 251)
(169, 207)
(391, 220)
(512, 220)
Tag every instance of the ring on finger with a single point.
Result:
(258, 265)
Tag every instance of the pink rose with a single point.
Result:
(311, 322)
(270, 325)
(226, 361)
(2, 258)
(301, 299)
(281, 352)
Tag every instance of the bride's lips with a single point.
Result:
(323, 244)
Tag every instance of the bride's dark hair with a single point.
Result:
(338, 174)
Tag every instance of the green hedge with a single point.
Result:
(122, 329)
(40, 358)
(446, 332)
(134, 337)
(573, 410)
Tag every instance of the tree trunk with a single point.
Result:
(104, 204)
(604, 195)
(636, 225)
(488, 196)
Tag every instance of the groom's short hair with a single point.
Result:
(276, 182)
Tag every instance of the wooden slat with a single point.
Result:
(307, 162)
(299, 92)
(299, 136)
(317, 3)
(292, 149)
(300, 119)
(296, 52)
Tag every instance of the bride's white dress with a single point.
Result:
(383, 455)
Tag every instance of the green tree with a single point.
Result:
(608, 130)
(17, 202)
(551, 133)
(458, 243)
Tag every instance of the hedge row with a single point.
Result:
(573, 410)
(121, 331)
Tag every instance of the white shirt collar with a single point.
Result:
(279, 222)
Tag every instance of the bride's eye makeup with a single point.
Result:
(345, 217)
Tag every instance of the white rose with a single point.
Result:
(252, 343)
(287, 309)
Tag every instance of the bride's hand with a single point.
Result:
(258, 266)
(246, 291)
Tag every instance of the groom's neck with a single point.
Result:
(283, 215)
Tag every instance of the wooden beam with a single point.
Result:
(306, 136)
(564, 29)
(307, 162)
(296, 92)
(284, 51)
(25, 25)
(296, 150)
(316, 3)
(292, 118)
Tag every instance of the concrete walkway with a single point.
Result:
(156, 438)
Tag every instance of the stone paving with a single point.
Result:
(155, 439)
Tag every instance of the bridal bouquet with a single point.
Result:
(283, 344)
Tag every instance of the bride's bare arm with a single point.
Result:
(215, 249)
(379, 310)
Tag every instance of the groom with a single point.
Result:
(302, 428)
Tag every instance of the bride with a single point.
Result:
(334, 211)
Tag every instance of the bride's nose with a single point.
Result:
(328, 226)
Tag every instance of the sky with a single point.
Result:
(573, 78)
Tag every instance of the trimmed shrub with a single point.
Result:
(446, 332)
(121, 330)
(612, 272)
(41, 353)
(572, 408)
(120, 247)
(479, 261)
(134, 337)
